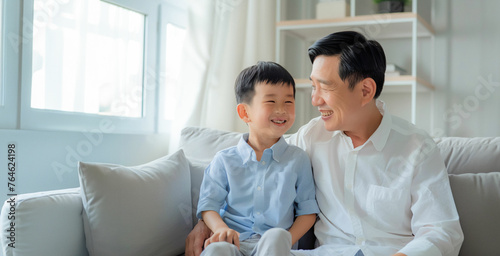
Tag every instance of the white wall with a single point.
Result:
(47, 160)
(468, 67)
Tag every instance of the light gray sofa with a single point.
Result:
(57, 222)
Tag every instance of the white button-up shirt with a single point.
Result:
(391, 194)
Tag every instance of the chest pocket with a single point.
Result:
(387, 205)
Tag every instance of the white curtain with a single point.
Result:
(223, 37)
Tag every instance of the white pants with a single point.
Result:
(275, 241)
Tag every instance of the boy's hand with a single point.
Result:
(224, 234)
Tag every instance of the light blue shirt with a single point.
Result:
(254, 196)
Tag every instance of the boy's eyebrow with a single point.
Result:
(273, 95)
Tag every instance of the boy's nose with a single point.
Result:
(280, 109)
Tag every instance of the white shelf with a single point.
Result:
(293, 37)
(380, 26)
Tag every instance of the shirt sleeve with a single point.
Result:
(213, 191)
(305, 201)
(435, 222)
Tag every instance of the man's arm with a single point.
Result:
(301, 225)
(221, 232)
(196, 238)
(435, 222)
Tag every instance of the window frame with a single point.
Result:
(10, 56)
(44, 119)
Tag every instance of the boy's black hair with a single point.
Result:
(359, 58)
(262, 72)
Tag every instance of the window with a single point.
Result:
(85, 61)
(88, 58)
(173, 49)
(173, 25)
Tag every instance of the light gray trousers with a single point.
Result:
(275, 241)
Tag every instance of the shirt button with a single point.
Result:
(263, 162)
(360, 240)
(259, 188)
(258, 213)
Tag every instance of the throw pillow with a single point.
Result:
(140, 210)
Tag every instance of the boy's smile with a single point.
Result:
(271, 113)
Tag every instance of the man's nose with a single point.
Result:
(316, 98)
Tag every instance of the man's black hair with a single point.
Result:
(359, 58)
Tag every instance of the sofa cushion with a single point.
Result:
(197, 170)
(201, 144)
(140, 210)
(470, 155)
(477, 197)
(34, 230)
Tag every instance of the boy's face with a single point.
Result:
(272, 110)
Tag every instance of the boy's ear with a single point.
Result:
(242, 112)
(368, 89)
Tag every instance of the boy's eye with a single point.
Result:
(270, 101)
(289, 102)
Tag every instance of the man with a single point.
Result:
(381, 184)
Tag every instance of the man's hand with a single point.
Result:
(224, 234)
(195, 239)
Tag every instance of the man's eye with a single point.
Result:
(289, 102)
(270, 101)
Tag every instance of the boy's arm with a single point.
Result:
(221, 231)
(301, 225)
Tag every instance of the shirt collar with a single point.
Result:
(246, 152)
(379, 137)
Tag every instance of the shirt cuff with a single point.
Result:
(306, 207)
(206, 206)
(420, 248)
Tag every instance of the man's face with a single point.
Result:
(337, 103)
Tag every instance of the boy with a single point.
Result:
(261, 181)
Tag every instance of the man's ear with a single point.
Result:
(242, 112)
(368, 90)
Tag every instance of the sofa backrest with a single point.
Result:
(470, 155)
(473, 165)
(474, 168)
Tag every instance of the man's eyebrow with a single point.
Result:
(322, 81)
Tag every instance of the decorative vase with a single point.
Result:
(391, 6)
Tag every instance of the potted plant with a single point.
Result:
(385, 6)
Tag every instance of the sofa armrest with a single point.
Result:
(43, 223)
